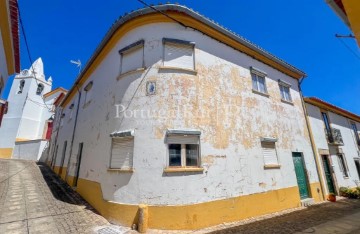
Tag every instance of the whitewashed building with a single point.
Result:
(30, 111)
(9, 50)
(179, 123)
(336, 136)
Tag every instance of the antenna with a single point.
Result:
(77, 63)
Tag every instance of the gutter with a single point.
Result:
(312, 141)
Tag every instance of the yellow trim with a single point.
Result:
(6, 152)
(352, 8)
(21, 139)
(7, 37)
(183, 169)
(159, 18)
(60, 89)
(195, 216)
(316, 192)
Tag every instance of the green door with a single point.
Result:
(329, 180)
(300, 175)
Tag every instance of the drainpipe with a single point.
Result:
(313, 145)
(73, 133)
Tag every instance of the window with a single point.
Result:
(88, 92)
(269, 152)
(21, 86)
(39, 89)
(354, 128)
(326, 121)
(179, 54)
(183, 149)
(285, 91)
(71, 107)
(1, 84)
(122, 151)
(132, 57)
(258, 80)
(342, 165)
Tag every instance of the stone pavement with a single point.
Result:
(35, 200)
(342, 217)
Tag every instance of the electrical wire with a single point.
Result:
(349, 48)
(29, 55)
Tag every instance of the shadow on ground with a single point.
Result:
(299, 220)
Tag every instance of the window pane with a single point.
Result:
(282, 92)
(262, 87)
(326, 121)
(254, 82)
(192, 155)
(174, 155)
(342, 165)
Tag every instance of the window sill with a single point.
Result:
(179, 69)
(272, 166)
(183, 169)
(127, 170)
(287, 102)
(260, 93)
(140, 70)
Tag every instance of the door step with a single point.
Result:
(307, 202)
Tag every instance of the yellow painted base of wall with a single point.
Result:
(195, 216)
(316, 192)
(6, 152)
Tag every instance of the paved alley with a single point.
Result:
(34, 200)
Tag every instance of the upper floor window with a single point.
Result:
(21, 86)
(39, 89)
(183, 148)
(326, 121)
(132, 57)
(88, 92)
(179, 54)
(258, 80)
(354, 128)
(285, 91)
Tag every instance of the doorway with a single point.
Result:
(78, 162)
(300, 175)
(328, 174)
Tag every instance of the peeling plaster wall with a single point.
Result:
(350, 148)
(233, 120)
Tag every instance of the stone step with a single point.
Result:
(307, 202)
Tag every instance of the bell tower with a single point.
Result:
(27, 111)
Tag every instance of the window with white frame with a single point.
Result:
(132, 57)
(342, 165)
(179, 54)
(88, 92)
(122, 152)
(183, 148)
(258, 80)
(285, 91)
(269, 152)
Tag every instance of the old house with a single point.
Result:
(336, 137)
(186, 122)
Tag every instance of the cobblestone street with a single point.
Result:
(34, 200)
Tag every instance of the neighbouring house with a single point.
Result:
(178, 123)
(27, 125)
(9, 48)
(336, 136)
(348, 11)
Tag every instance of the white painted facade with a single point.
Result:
(27, 113)
(29, 150)
(349, 149)
(230, 146)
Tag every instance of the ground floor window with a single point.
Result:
(122, 151)
(183, 149)
(342, 165)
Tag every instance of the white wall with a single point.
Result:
(230, 148)
(350, 148)
(29, 150)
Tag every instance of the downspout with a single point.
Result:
(73, 134)
(313, 145)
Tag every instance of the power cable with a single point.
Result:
(29, 55)
(349, 48)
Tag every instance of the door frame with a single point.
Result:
(332, 172)
(310, 195)
(78, 163)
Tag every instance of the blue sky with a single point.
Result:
(300, 32)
